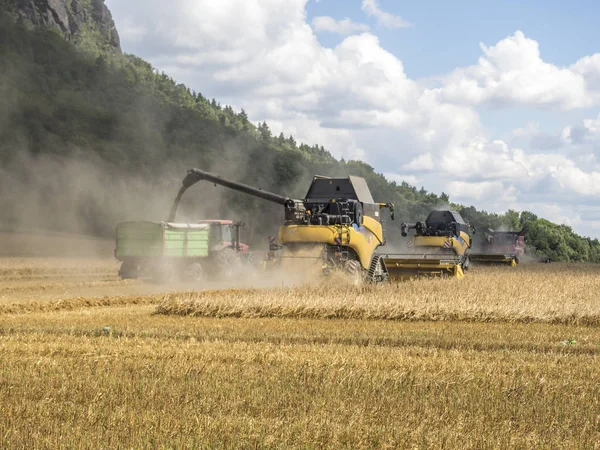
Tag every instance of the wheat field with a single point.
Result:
(504, 358)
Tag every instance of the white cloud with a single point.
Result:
(483, 191)
(530, 129)
(383, 18)
(512, 72)
(420, 163)
(589, 68)
(344, 26)
(357, 101)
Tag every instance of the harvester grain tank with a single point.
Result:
(337, 226)
(500, 247)
(439, 248)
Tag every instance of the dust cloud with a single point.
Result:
(70, 205)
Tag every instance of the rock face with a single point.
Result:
(75, 19)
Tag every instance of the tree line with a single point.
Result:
(66, 102)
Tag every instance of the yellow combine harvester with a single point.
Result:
(439, 249)
(337, 226)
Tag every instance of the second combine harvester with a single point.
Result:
(337, 226)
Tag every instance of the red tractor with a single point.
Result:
(221, 231)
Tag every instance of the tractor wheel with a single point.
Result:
(353, 270)
(228, 264)
(194, 272)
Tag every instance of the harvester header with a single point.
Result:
(440, 248)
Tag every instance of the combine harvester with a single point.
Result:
(500, 247)
(439, 248)
(338, 227)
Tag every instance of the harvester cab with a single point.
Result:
(336, 226)
(447, 225)
(439, 248)
(499, 247)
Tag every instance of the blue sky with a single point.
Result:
(447, 34)
(495, 103)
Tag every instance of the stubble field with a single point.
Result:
(505, 358)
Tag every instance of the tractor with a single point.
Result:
(171, 252)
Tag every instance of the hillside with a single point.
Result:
(90, 137)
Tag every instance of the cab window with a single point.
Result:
(226, 233)
(215, 233)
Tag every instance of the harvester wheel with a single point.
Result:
(354, 271)
(228, 263)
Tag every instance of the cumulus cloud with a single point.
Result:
(344, 26)
(357, 101)
(420, 163)
(483, 190)
(512, 72)
(385, 19)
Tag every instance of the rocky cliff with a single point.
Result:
(87, 22)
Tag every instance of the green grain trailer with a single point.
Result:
(167, 251)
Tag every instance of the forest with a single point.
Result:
(90, 137)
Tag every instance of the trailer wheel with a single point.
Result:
(228, 263)
(194, 272)
(129, 270)
(166, 274)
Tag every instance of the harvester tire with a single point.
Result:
(353, 270)
(228, 263)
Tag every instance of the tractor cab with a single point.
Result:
(225, 233)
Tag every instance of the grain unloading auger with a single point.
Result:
(439, 249)
(337, 226)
